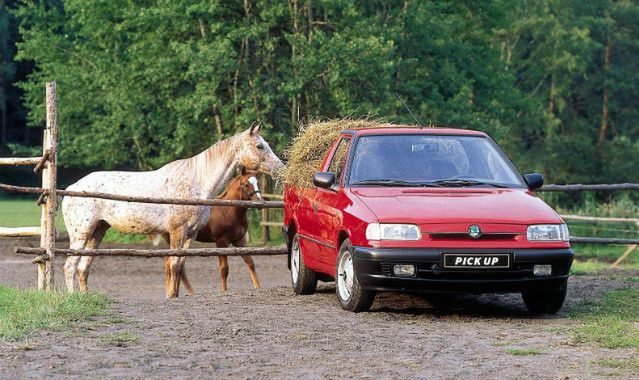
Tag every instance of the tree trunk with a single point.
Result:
(604, 108)
(3, 124)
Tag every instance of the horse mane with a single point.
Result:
(200, 167)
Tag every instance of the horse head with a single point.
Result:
(256, 154)
(249, 185)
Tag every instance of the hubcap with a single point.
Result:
(345, 276)
(295, 260)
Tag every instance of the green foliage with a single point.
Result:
(23, 311)
(610, 322)
(142, 83)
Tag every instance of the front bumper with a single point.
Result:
(374, 268)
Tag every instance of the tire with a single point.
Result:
(545, 302)
(303, 280)
(349, 292)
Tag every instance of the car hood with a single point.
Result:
(456, 205)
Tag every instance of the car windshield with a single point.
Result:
(430, 160)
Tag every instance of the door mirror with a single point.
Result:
(325, 180)
(534, 180)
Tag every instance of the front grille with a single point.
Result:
(435, 272)
(464, 236)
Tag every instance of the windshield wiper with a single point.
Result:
(465, 182)
(394, 182)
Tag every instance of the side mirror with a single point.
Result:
(325, 180)
(534, 180)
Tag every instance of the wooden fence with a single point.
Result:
(47, 165)
(47, 251)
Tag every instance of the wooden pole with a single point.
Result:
(627, 253)
(594, 240)
(46, 278)
(581, 187)
(599, 218)
(168, 201)
(15, 161)
(20, 231)
(233, 251)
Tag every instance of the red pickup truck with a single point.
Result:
(424, 210)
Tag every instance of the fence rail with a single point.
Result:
(17, 161)
(593, 187)
(189, 252)
(171, 201)
(599, 218)
(20, 231)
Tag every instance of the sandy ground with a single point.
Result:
(270, 333)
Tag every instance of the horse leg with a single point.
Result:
(224, 263)
(70, 266)
(167, 274)
(178, 240)
(85, 262)
(186, 282)
(224, 270)
(248, 260)
(78, 242)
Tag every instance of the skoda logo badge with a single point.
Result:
(474, 231)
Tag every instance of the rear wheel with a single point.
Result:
(349, 292)
(546, 302)
(303, 280)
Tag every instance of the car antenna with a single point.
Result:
(411, 112)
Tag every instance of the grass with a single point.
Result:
(631, 364)
(524, 351)
(587, 267)
(611, 322)
(24, 311)
(121, 339)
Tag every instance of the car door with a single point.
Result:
(328, 216)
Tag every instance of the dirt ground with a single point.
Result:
(270, 333)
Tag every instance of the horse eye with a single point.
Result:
(260, 146)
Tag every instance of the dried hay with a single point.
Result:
(306, 152)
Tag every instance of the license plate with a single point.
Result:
(465, 260)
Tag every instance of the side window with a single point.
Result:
(339, 158)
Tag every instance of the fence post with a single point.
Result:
(49, 180)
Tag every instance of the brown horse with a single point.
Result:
(228, 225)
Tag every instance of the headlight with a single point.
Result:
(383, 231)
(548, 232)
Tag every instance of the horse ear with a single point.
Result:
(255, 128)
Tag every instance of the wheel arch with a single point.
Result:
(292, 230)
(341, 237)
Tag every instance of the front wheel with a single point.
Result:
(545, 302)
(303, 280)
(349, 292)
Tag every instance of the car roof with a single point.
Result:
(416, 130)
